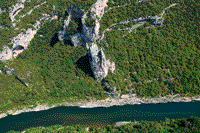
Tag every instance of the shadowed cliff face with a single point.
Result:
(18, 47)
(78, 20)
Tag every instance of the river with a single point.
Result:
(100, 116)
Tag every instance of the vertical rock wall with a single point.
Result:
(99, 64)
(87, 37)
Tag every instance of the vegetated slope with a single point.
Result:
(53, 73)
(168, 55)
(169, 125)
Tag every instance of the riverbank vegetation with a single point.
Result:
(186, 125)
(150, 61)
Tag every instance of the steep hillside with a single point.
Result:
(155, 50)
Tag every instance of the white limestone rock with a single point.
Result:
(23, 39)
(15, 10)
(99, 64)
(77, 39)
(6, 54)
(7, 70)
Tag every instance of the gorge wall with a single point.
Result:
(87, 38)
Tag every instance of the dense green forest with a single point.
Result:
(146, 53)
(51, 72)
(189, 125)
(56, 70)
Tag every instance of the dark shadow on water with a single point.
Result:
(54, 40)
(84, 64)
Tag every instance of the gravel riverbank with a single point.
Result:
(124, 100)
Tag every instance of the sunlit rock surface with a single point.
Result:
(15, 9)
(99, 64)
(22, 40)
(88, 35)
(77, 39)
(6, 54)
(8, 70)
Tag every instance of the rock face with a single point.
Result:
(6, 54)
(22, 41)
(87, 34)
(86, 37)
(99, 64)
(15, 9)
(78, 38)
(98, 10)
(10, 71)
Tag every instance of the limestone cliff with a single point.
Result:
(15, 9)
(88, 36)
(99, 64)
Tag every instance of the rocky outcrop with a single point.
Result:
(21, 41)
(99, 64)
(78, 38)
(15, 9)
(10, 71)
(96, 12)
(86, 37)
(6, 54)
(88, 34)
